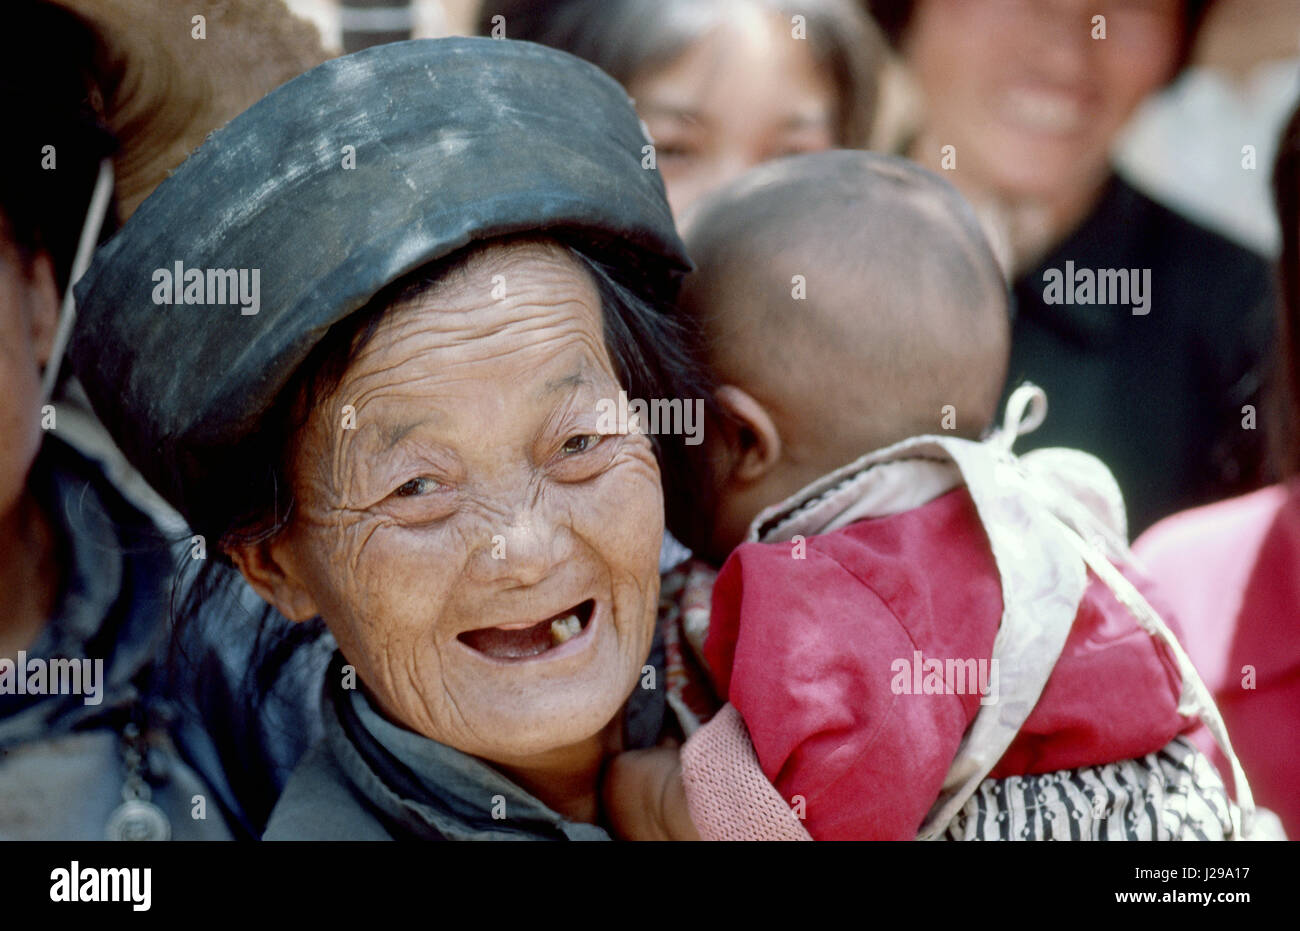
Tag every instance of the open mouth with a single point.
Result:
(531, 638)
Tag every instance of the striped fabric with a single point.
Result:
(1174, 794)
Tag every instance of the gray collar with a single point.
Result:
(421, 788)
(459, 797)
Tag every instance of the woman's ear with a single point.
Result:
(754, 444)
(262, 566)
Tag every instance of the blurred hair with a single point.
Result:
(1286, 198)
(165, 90)
(894, 16)
(48, 63)
(124, 79)
(626, 38)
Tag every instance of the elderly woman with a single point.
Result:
(360, 340)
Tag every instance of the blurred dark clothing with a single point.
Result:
(1157, 397)
(248, 686)
(63, 765)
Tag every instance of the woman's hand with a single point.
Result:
(644, 797)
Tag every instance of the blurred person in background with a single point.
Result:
(1024, 102)
(722, 85)
(1187, 146)
(1232, 569)
(86, 753)
(244, 711)
(135, 85)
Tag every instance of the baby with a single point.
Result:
(926, 640)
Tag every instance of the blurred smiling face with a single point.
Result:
(744, 93)
(487, 561)
(1030, 100)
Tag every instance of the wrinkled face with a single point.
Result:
(1030, 100)
(474, 517)
(745, 93)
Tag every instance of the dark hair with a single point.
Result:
(1286, 198)
(624, 38)
(49, 88)
(894, 16)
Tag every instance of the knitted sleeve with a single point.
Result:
(727, 794)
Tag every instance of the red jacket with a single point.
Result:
(807, 651)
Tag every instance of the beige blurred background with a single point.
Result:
(430, 18)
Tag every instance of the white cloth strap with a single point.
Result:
(1049, 516)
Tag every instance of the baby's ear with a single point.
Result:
(266, 572)
(753, 442)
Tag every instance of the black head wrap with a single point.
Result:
(453, 141)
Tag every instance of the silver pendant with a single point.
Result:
(136, 819)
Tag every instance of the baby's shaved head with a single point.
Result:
(854, 296)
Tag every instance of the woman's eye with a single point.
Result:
(580, 444)
(416, 486)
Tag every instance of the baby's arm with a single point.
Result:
(645, 797)
(713, 789)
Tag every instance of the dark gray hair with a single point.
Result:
(1286, 387)
(895, 16)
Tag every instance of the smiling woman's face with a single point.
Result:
(1028, 93)
(472, 502)
(744, 93)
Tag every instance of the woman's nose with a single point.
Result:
(522, 549)
(1061, 35)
